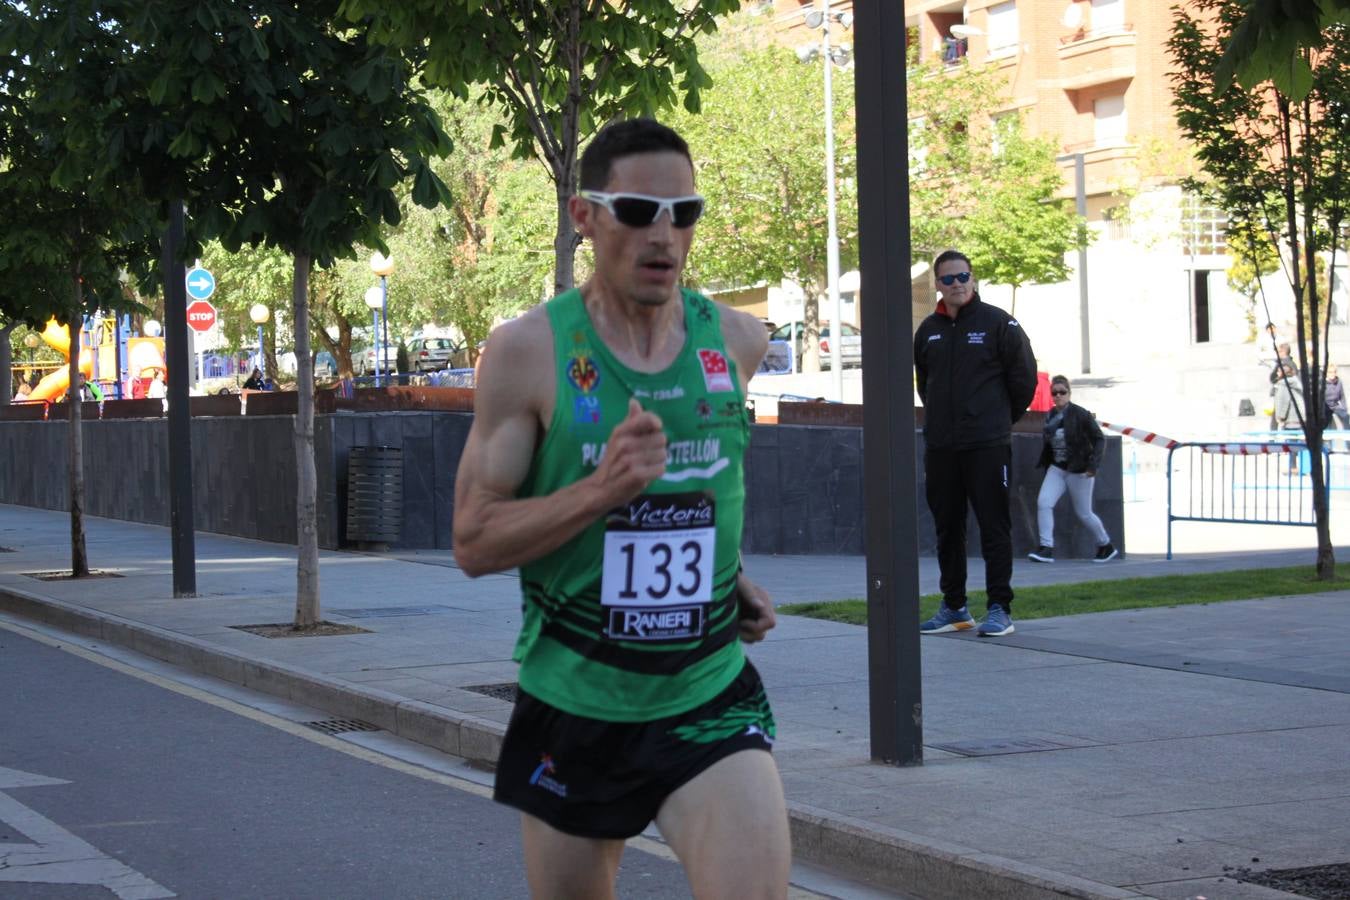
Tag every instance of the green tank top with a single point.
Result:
(635, 618)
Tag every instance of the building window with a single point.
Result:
(1003, 29)
(1200, 305)
(1108, 16)
(1000, 127)
(1109, 124)
(1204, 227)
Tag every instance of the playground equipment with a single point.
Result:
(102, 341)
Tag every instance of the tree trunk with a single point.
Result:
(6, 364)
(564, 244)
(1012, 307)
(306, 481)
(79, 554)
(811, 328)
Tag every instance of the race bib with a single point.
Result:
(657, 574)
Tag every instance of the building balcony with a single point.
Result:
(1090, 58)
(1106, 164)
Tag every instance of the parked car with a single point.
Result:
(430, 353)
(364, 361)
(324, 364)
(851, 347)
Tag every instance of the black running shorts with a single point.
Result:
(598, 779)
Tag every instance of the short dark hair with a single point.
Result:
(627, 137)
(1061, 379)
(948, 256)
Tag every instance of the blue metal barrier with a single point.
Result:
(1209, 482)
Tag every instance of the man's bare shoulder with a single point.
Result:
(518, 358)
(746, 337)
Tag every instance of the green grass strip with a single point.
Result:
(1100, 596)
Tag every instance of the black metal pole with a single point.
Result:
(895, 691)
(180, 416)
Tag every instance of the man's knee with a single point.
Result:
(729, 828)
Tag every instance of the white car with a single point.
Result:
(365, 362)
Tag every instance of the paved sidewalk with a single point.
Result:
(1111, 755)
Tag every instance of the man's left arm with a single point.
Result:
(747, 341)
(1019, 368)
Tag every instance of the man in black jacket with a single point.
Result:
(976, 376)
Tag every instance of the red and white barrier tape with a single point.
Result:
(1246, 449)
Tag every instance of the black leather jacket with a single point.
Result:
(1084, 438)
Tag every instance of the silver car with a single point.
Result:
(850, 350)
(430, 354)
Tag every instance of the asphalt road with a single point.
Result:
(112, 785)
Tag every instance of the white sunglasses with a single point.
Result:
(641, 210)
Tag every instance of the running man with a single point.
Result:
(605, 461)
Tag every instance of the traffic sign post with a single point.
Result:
(201, 284)
(201, 316)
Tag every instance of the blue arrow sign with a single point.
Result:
(200, 284)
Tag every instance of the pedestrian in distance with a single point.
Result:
(1287, 386)
(255, 381)
(157, 390)
(976, 374)
(1071, 455)
(605, 461)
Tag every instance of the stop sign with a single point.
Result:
(201, 315)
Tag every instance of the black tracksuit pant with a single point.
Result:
(978, 477)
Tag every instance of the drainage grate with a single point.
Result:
(341, 726)
(66, 576)
(378, 612)
(505, 691)
(1000, 746)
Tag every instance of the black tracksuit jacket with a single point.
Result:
(976, 376)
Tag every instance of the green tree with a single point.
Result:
(69, 224)
(1280, 168)
(1253, 256)
(1267, 43)
(558, 70)
(329, 151)
(759, 154)
(1017, 231)
(949, 162)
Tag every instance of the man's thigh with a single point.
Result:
(729, 828)
(560, 866)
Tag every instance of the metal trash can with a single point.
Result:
(374, 495)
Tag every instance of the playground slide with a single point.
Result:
(55, 384)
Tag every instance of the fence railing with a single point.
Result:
(1249, 483)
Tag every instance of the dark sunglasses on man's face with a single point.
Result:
(1060, 393)
(949, 280)
(640, 210)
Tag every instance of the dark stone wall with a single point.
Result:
(805, 490)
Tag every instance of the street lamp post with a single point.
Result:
(383, 266)
(259, 313)
(375, 300)
(821, 18)
(1080, 206)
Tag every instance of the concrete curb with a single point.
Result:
(899, 861)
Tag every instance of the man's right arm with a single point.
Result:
(493, 529)
(921, 365)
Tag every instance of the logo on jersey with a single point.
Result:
(716, 371)
(975, 337)
(543, 777)
(704, 408)
(583, 374)
(659, 624)
(586, 410)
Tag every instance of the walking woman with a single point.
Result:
(1071, 455)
